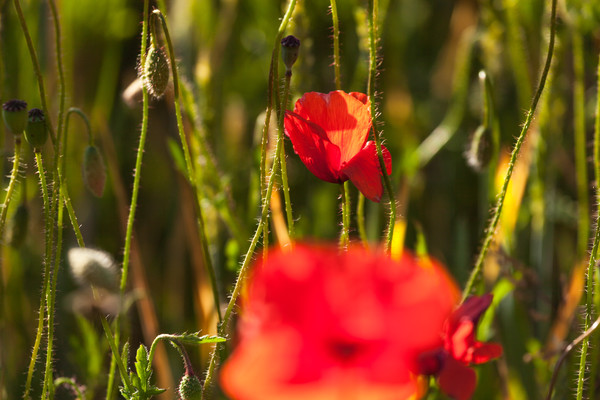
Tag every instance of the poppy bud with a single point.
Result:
(36, 132)
(94, 173)
(479, 151)
(155, 73)
(190, 387)
(14, 113)
(289, 51)
(93, 267)
(17, 226)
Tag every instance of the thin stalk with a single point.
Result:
(360, 219)
(373, 40)
(132, 207)
(11, 185)
(36, 68)
(345, 234)
(583, 221)
(61, 75)
(51, 298)
(114, 347)
(282, 160)
(336, 44)
(191, 174)
(47, 263)
(580, 123)
(491, 230)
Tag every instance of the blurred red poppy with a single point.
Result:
(460, 349)
(329, 132)
(322, 325)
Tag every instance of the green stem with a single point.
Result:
(345, 234)
(114, 347)
(47, 262)
(284, 176)
(491, 230)
(51, 297)
(336, 44)
(36, 68)
(373, 40)
(583, 224)
(360, 219)
(61, 75)
(580, 124)
(191, 174)
(132, 207)
(11, 186)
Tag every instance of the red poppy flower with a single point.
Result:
(451, 362)
(323, 325)
(329, 133)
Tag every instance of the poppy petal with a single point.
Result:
(457, 380)
(345, 118)
(365, 172)
(311, 144)
(484, 352)
(363, 98)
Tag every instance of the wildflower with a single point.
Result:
(320, 324)
(329, 133)
(460, 350)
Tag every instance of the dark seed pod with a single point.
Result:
(289, 51)
(479, 151)
(14, 113)
(36, 132)
(155, 73)
(94, 172)
(190, 387)
(17, 226)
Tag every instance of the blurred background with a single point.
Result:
(431, 103)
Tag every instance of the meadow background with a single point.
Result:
(430, 101)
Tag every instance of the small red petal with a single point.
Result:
(485, 352)
(313, 148)
(462, 341)
(365, 172)
(457, 380)
(363, 98)
(345, 119)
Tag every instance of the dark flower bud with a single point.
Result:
(36, 132)
(14, 113)
(17, 226)
(94, 172)
(289, 51)
(190, 387)
(155, 72)
(479, 150)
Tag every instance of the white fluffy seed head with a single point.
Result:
(93, 268)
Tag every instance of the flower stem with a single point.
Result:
(282, 160)
(345, 234)
(47, 263)
(373, 40)
(336, 44)
(11, 186)
(191, 174)
(360, 219)
(578, 59)
(491, 230)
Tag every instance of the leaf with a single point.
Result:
(195, 338)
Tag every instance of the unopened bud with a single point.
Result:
(94, 268)
(190, 387)
(289, 51)
(479, 151)
(94, 172)
(14, 113)
(155, 71)
(36, 132)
